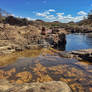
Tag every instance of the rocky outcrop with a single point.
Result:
(54, 86)
(45, 66)
(79, 29)
(57, 41)
(14, 38)
(85, 54)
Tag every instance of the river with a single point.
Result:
(43, 65)
(78, 41)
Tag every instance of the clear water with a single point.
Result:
(78, 41)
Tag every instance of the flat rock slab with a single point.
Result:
(85, 54)
(82, 52)
(54, 86)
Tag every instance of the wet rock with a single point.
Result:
(54, 86)
(57, 41)
(85, 54)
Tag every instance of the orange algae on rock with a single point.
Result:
(6, 74)
(23, 77)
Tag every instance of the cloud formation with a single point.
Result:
(60, 16)
(45, 13)
(82, 13)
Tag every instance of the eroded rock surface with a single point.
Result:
(15, 38)
(85, 54)
(54, 86)
(46, 66)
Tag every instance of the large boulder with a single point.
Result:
(57, 41)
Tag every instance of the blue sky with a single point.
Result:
(48, 10)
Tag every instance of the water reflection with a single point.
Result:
(44, 68)
(89, 39)
(78, 41)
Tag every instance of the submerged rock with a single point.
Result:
(54, 86)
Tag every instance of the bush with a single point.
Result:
(17, 21)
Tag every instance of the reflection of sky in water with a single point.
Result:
(78, 41)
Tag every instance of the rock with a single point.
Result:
(26, 37)
(19, 48)
(85, 54)
(54, 86)
(57, 41)
(79, 29)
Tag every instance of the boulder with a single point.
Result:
(57, 41)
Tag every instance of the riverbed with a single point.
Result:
(45, 65)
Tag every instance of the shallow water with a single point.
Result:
(44, 68)
(78, 41)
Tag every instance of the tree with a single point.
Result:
(17, 21)
(90, 15)
(0, 14)
(3, 14)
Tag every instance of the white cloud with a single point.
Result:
(28, 18)
(69, 18)
(51, 17)
(82, 13)
(51, 10)
(60, 14)
(44, 14)
(47, 15)
(41, 14)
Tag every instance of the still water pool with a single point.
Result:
(78, 41)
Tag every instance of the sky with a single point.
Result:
(48, 10)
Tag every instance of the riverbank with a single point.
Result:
(27, 56)
(15, 38)
(79, 29)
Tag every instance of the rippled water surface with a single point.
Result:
(78, 41)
